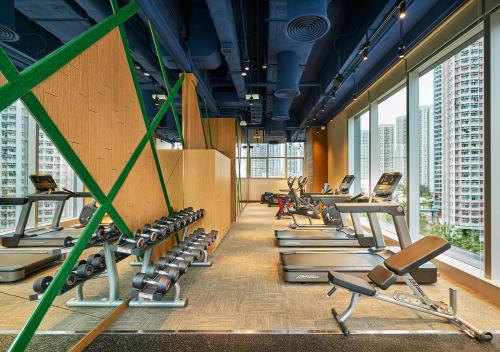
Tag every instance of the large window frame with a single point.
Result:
(30, 139)
(247, 158)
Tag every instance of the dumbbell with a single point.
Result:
(186, 251)
(137, 242)
(97, 261)
(151, 237)
(171, 272)
(168, 220)
(174, 262)
(168, 227)
(191, 245)
(201, 232)
(161, 283)
(161, 232)
(195, 241)
(41, 284)
(83, 270)
(173, 255)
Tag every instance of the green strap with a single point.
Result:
(165, 80)
(22, 340)
(115, 7)
(46, 67)
(208, 122)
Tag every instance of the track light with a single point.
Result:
(323, 108)
(243, 73)
(147, 74)
(365, 52)
(401, 51)
(354, 96)
(323, 128)
(157, 101)
(332, 95)
(264, 66)
(402, 9)
(317, 130)
(247, 68)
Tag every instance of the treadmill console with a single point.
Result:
(387, 184)
(346, 184)
(43, 183)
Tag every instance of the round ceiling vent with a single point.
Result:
(7, 34)
(307, 28)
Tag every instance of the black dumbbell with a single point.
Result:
(70, 241)
(161, 232)
(41, 284)
(83, 270)
(150, 237)
(137, 242)
(97, 261)
(188, 258)
(169, 271)
(187, 245)
(186, 251)
(162, 283)
(167, 227)
(169, 221)
(171, 261)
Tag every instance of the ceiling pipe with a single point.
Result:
(280, 109)
(153, 11)
(222, 15)
(287, 83)
(7, 29)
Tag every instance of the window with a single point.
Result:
(359, 147)
(271, 160)
(392, 141)
(445, 176)
(19, 149)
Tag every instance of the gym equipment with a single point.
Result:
(160, 283)
(331, 218)
(16, 264)
(97, 261)
(313, 266)
(161, 232)
(174, 262)
(341, 235)
(402, 264)
(83, 270)
(168, 222)
(148, 237)
(50, 236)
(41, 284)
(171, 272)
(168, 227)
(138, 242)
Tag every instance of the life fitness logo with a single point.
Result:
(307, 276)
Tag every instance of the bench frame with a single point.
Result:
(418, 301)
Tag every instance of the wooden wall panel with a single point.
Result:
(172, 167)
(93, 102)
(192, 129)
(223, 131)
(337, 150)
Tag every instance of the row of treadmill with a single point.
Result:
(316, 249)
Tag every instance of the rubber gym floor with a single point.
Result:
(241, 303)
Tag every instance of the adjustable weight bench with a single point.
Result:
(401, 264)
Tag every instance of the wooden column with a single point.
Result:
(316, 158)
(192, 129)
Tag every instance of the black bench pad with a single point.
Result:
(352, 283)
(382, 277)
(416, 254)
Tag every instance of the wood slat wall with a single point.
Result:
(94, 103)
(192, 129)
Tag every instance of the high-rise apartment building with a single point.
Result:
(386, 147)
(458, 138)
(400, 155)
(426, 138)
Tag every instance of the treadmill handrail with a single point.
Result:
(13, 201)
(389, 207)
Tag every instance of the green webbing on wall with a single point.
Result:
(126, 46)
(46, 67)
(165, 80)
(22, 340)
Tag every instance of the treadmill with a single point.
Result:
(314, 265)
(341, 235)
(52, 235)
(16, 264)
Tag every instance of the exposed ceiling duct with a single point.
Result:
(7, 29)
(222, 15)
(280, 109)
(307, 20)
(287, 84)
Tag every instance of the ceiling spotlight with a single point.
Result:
(317, 130)
(264, 66)
(332, 94)
(365, 52)
(157, 101)
(401, 51)
(247, 68)
(354, 96)
(250, 101)
(323, 128)
(147, 74)
(137, 67)
(402, 9)
(243, 73)
(337, 81)
(323, 108)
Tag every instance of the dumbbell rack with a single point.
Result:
(113, 298)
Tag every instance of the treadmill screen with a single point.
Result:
(387, 184)
(346, 183)
(43, 183)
